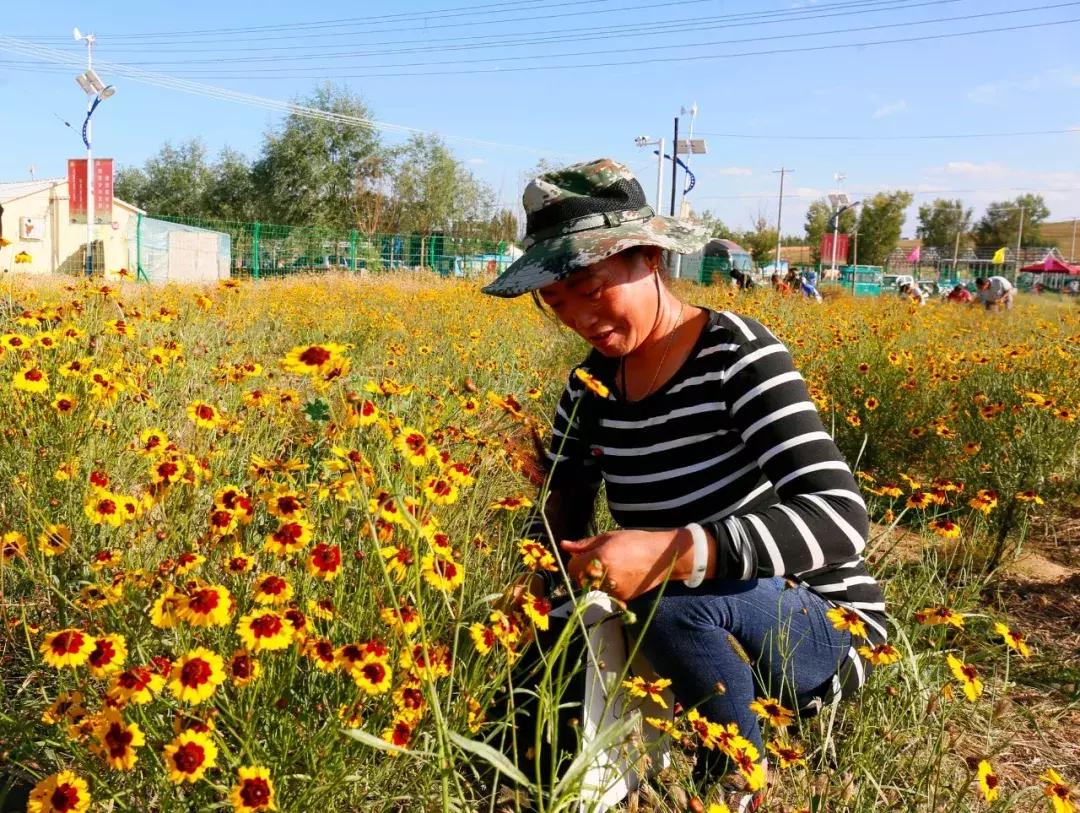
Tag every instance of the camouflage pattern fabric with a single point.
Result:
(555, 252)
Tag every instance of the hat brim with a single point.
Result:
(552, 260)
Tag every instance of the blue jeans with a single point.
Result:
(757, 637)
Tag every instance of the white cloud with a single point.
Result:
(742, 171)
(993, 92)
(476, 161)
(891, 109)
(987, 169)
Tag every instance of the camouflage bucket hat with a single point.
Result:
(582, 214)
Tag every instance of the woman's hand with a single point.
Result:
(634, 562)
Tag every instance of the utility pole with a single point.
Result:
(674, 164)
(1019, 239)
(956, 253)
(1072, 250)
(779, 217)
(839, 176)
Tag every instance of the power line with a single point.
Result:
(545, 16)
(223, 94)
(120, 67)
(648, 48)
(473, 42)
(919, 137)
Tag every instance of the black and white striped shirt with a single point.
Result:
(731, 441)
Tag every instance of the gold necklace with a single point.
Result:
(663, 358)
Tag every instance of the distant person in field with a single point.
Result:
(911, 292)
(808, 285)
(779, 285)
(741, 529)
(995, 292)
(743, 281)
(960, 294)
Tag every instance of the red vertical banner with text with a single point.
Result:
(842, 242)
(77, 190)
(103, 190)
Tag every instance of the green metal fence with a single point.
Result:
(260, 250)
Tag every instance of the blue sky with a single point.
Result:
(1001, 82)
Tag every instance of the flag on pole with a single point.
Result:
(999, 256)
(913, 257)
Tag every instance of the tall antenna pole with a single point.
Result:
(779, 217)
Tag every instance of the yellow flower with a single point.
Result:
(414, 447)
(116, 740)
(442, 573)
(136, 685)
(290, 537)
(789, 754)
(165, 612)
(1015, 640)
(880, 655)
(594, 384)
(639, 687)
(988, 781)
(63, 792)
(272, 589)
(313, 359)
(208, 606)
(373, 675)
(945, 527)
(66, 647)
(536, 609)
(932, 616)
(264, 630)
(196, 675)
(108, 655)
(54, 540)
(65, 403)
(845, 618)
(204, 415)
(31, 378)
(189, 756)
(769, 709)
(967, 676)
(104, 508)
(1029, 496)
(440, 490)
(1060, 795)
(253, 791)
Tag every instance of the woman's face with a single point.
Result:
(610, 304)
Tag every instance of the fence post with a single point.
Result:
(352, 249)
(255, 250)
(139, 273)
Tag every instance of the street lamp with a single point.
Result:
(96, 91)
(645, 141)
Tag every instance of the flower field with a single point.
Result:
(239, 522)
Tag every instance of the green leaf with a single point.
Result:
(609, 737)
(498, 760)
(372, 741)
(317, 410)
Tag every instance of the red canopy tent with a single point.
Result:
(1051, 265)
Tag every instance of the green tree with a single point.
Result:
(880, 222)
(172, 182)
(760, 241)
(818, 215)
(230, 192)
(311, 170)
(1000, 226)
(941, 222)
(715, 226)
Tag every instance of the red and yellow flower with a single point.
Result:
(291, 536)
(967, 676)
(196, 675)
(264, 630)
(207, 606)
(66, 647)
(136, 685)
(253, 791)
(63, 792)
(108, 655)
(116, 741)
(324, 562)
(189, 756)
(273, 590)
